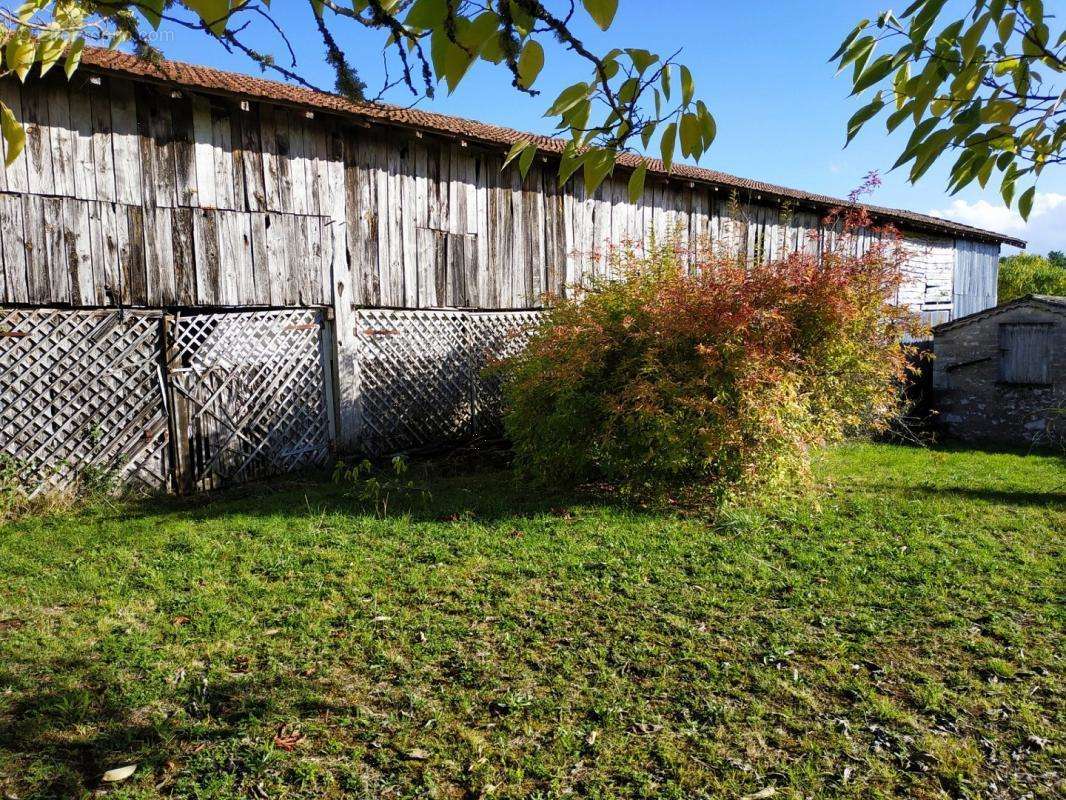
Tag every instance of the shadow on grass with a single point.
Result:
(439, 491)
(1055, 500)
(80, 724)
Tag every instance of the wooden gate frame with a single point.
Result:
(184, 478)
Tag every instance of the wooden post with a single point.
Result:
(327, 344)
(178, 410)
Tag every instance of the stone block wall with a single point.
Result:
(975, 405)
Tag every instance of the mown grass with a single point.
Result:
(902, 637)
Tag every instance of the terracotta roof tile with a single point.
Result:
(248, 87)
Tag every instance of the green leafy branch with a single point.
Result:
(986, 86)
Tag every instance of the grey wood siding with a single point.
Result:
(976, 278)
(133, 194)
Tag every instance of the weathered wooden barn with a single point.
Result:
(1000, 374)
(208, 276)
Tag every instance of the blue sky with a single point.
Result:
(760, 66)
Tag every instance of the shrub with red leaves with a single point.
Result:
(713, 380)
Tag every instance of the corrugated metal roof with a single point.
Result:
(248, 87)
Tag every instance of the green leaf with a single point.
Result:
(691, 136)
(688, 86)
(213, 13)
(516, 150)
(525, 161)
(152, 11)
(664, 80)
(1025, 202)
(568, 98)
(1006, 27)
(49, 49)
(646, 133)
(642, 59)
(873, 74)
(426, 14)
(862, 116)
(20, 53)
(14, 134)
(530, 63)
(74, 57)
(598, 164)
(636, 182)
(849, 39)
(601, 11)
(667, 143)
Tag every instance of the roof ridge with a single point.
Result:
(239, 83)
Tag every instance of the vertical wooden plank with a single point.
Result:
(481, 211)
(242, 259)
(56, 255)
(183, 126)
(536, 230)
(408, 211)
(14, 248)
(38, 152)
(183, 251)
(77, 244)
(155, 128)
(81, 124)
(260, 259)
(274, 142)
(102, 140)
(103, 238)
(361, 188)
(131, 255)
(204, 153)
(128, 186)
(224, 157)
(206, 252)
(162, 283)
(38, 272)
(277, 257)
(390, 215)
(60, 137)
(297, 163)
(252, 155)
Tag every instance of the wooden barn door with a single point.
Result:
(251, 395)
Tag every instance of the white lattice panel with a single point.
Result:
(249, 395)
(493, 336)
(414, 371)
(81, 398)
(420, 374)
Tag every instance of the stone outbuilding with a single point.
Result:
(1000, 374)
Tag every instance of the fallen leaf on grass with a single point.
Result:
(287, 739)
(12, 624)
(417, 754)
(762, 794)
(645, 728)
(181, 619)
(119, 773)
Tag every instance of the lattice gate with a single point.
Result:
(420, 374)
(249, 395)
(81, 399)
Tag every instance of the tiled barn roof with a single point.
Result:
(1047, 302)
(247, 87)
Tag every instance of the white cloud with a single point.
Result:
(1045, 230)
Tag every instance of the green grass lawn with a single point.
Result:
(902, 637)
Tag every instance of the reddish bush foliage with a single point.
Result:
(718, 378)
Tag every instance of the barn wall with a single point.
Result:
(136, 195)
